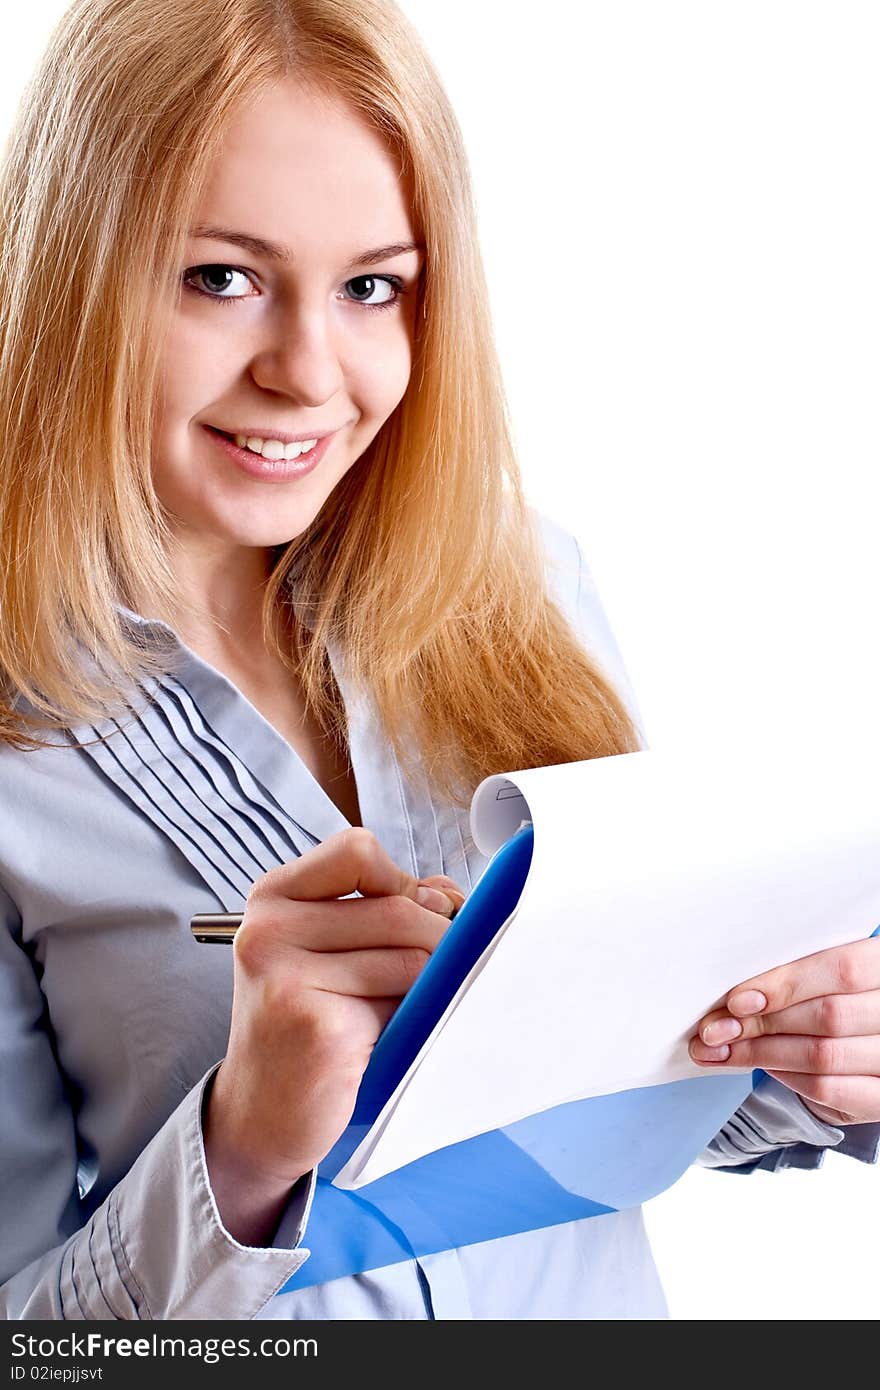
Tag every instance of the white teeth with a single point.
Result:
(273, 449)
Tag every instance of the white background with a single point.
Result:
(679, 218)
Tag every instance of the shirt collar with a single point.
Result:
(140, 621)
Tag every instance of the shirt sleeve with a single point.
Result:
(155, 1248)
(773, 1129)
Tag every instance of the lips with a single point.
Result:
(284, 436)
(270, 470)
(242, 434)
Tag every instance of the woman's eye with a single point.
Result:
(365, 285)
(215, 280)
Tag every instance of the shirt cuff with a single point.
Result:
(167, 1253)
(773, 1130)
(292, 1227)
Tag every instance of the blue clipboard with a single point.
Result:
(475, 926)
(583, 1159)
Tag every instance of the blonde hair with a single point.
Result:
(423, 566)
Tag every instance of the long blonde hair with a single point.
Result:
(423, 566)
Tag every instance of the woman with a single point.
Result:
(235, 682)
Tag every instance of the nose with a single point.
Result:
(300, 357)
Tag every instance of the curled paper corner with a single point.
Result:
(498, 810)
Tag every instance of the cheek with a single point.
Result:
(192, 369)
(380, 377)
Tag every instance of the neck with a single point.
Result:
(221, 590)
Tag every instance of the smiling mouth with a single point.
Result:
(300, 460)
(279, 451)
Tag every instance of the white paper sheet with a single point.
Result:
(659, 881)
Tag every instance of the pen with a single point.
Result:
(208, 927)
(215, 926)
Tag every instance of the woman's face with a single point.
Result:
(319, 341)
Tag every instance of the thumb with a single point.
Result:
(447, 886)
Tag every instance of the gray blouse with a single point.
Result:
(113, 1020)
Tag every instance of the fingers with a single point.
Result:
(818, 1055)
(352, 861)
(832, 1016)
(368, 974)
(846, 969)
(382, 1010)
(448, 886)
(345, 925)
(857, 1098)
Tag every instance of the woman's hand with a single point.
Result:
(813, 1024)
(317, 975)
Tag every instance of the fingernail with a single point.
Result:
(750, 1001)
(721, 1031)
(717, 1054)
(435, 901)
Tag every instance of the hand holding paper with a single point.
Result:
(656, 878)
(538, 1070)
(814, 1024)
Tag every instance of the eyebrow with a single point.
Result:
(273, 252)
